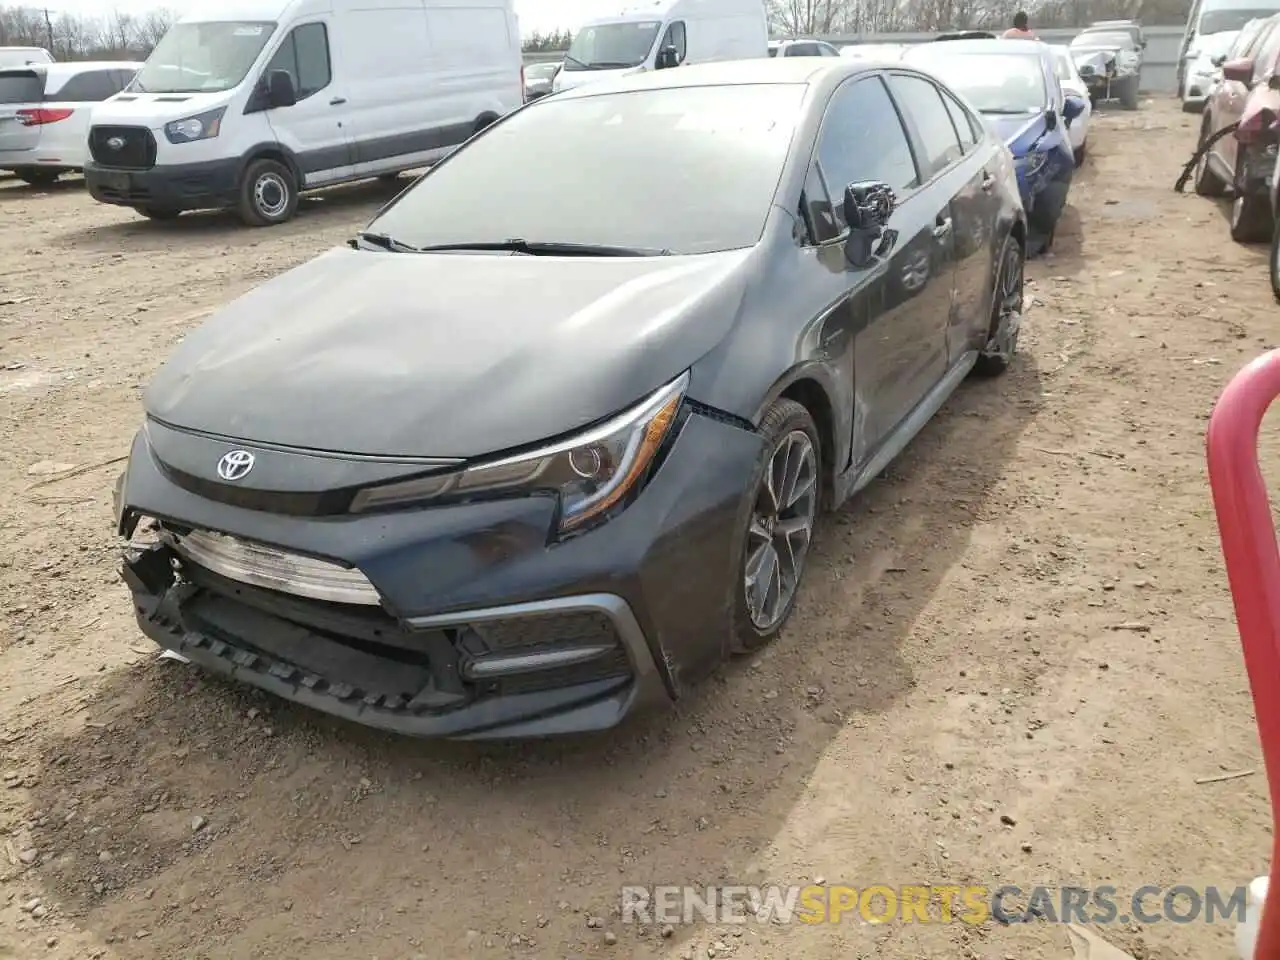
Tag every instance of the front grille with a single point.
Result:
(273, 568)
(123, 148)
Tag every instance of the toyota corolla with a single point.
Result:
(549, 438)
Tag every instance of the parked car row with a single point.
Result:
(505, 466)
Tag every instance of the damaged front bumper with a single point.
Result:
(479, 627)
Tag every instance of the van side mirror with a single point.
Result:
(1072, 107)
(1241, 71)
(1051, 119)
(1219, 60)
(1273, 81)
(1142, 44)
(668, 57)
(280, 89)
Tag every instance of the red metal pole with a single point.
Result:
(1253, 570)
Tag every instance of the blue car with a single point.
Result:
(1012, 83)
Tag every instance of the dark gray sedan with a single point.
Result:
(548, 440)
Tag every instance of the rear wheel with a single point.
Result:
(1207, 183)
(1006, 312)
(159, 213)
(780, 523)
(1251, 220)
(1275, 264)
(37, 177)
(268, 194)
(1080, 152)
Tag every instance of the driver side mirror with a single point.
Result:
(280, 89)
(1219, 60)
(1241, 71)
(668, 57)
(1142, 44)
(1051, 119)
(1273, 81)
(1072, 107)
(867, 206)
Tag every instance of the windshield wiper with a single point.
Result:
(607, 65)
(547, 248)
(571, 59)
(381, 240)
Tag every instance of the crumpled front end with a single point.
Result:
(1104, 70)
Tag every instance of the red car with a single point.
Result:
(1242, 162)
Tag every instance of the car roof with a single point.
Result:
(727, 73)
(1035, 48)
(62, 69)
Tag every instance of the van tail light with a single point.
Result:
(1257, 128)
(39, 116)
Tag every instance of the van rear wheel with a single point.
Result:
(37, 177)
(268, 194)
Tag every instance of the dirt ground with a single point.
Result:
(1027, 619)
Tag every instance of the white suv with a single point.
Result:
(44, 114)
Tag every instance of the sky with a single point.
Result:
(536, 16)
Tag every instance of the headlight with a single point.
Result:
(1030, 164)
(204, 126)
(591, 473)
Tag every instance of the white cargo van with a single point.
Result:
(1210, 17)
(247, 102)
(656, 34)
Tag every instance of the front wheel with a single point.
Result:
(159, 213)
(783, 511)
(268, 194)
(1207, 183)
(1006, 312)
(1129, 94)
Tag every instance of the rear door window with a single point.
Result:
(922, 102)
(21, 86)
(964, 123)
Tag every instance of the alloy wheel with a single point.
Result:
(781, 529)
(1004, 336)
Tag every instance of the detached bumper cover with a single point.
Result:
(486, 629)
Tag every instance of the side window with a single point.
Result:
(675, 37)
(818, 211)
(92, 86)
(304, 54)
(922, 103)
(124, 78)
(847, 155)
(827, 50)
(964, 125)
(802, 50)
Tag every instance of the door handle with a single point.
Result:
(942, 228)
(988, 181)
(337, 101)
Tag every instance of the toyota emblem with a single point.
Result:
(116, 143)
(235, 465)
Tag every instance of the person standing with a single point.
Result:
(1021, 29)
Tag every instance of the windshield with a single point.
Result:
(1062, 65)
(1103, 38)
(1216, 21)
(21, 86)
(203, 57)
(541, 71)
(1000, 83)
(612, 46)
(708, 187)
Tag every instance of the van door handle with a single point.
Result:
(942, 228)
(988, 181)
(337, 101)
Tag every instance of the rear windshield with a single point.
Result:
(21, 86)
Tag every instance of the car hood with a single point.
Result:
(154, 110)
(445, 355)
(1020, 132)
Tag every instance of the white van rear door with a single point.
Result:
(21, 91)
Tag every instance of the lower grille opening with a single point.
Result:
(355, 652)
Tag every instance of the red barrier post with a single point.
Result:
(1253, 570)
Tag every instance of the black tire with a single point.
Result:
(1129, 94)
(1081, 153)
(783, 424)
(1191, 106)
(1207, 183)
(36, 177)
(1006, 311)
(389, 178)
(159, 213)
(1251, 219)
(1275, 265)
(268, 194)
